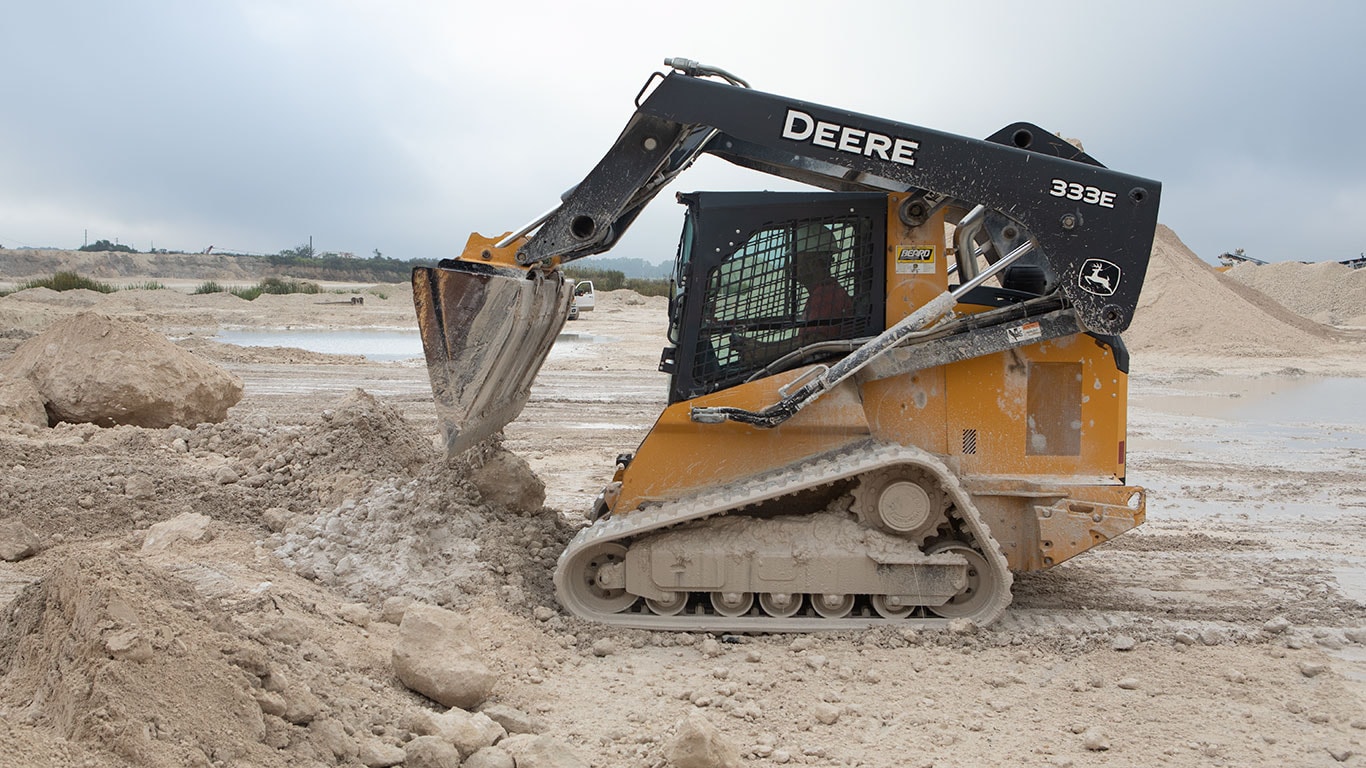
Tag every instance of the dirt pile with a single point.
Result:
(178, 313)
(1188, 307)
(361, 500)
(109, 652)
(1327, 292)
(193, 655)
(91, 368)
(428, 532)
(159, 637)
(21, 402)
(618, 300)
(29, 263)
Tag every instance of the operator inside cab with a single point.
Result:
(809, 271)
(827, 304)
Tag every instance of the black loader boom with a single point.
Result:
(1022, 195)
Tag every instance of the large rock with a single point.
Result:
(430, 752)
(21, 401)
(187, 526)
(513, 720)
(17, 541)
(435, 657)
(374, 753)
(490, 757)
(505, 479)
(530, 751)
(467, 732)
(697, 744)
(105, 371)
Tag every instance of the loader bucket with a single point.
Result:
(486, 330)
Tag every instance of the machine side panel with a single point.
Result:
(681, 456)
(1054, 409)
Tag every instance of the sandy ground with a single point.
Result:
(1228, 630)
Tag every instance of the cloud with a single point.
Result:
(403, 126)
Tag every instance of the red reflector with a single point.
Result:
(1121, 451)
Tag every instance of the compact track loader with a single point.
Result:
(884, 397)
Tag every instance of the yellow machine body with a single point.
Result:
(1036, 434)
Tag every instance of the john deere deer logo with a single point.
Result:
(1098, 276)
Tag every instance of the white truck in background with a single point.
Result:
(583, 300)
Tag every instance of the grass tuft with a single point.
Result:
(276, 286)
(67, 281)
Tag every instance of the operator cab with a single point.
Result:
(761, 275)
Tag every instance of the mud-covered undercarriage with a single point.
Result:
(869, 535)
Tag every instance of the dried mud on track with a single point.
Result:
(1226, 631)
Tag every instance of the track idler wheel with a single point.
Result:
(889, 607)
(595, 585)
(980, 589)
(668, 606)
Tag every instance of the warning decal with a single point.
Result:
(1023, 333)
(915, 259)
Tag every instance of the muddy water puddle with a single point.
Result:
(377, 344)
(1269, 452)
(1295, 424)
(1279, 400)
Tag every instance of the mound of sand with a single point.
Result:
(112, 653)
(443, 531)
(1328, 292)
(170, 656)
(111, 264)
(624, 297)
(1188, 307)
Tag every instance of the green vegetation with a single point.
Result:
(276, 285)
(67, 281)
(307, 265)
(105, 245)
(648, 286)
(332, 266)
(611, 280)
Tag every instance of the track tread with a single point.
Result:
(801, 476)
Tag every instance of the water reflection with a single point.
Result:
(1263, 399)
(373, 343)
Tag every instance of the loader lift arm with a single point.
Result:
(1080, 214)
(488, 319)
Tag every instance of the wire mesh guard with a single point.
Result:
(791, 284)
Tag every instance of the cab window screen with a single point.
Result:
(789, 285)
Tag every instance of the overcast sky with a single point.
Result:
(403, 126)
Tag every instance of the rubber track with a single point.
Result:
(806, 475)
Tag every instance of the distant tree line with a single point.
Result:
(612, 279)
(304, 261)
(105, 245)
